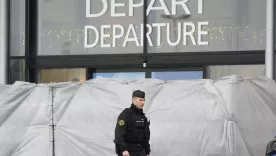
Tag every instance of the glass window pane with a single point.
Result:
(17, 70)
(177, 75)
(62, 75)
(121, 75)
(62, 29)
(216, 72)
(17, 27)
(233, 25)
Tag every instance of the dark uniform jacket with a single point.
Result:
(271, 148)
(132, 131)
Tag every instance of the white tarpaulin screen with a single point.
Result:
(229, 117)
(24, 120)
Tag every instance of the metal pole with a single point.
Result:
(270, 40)
(3, 41)
(52, 123)
(174, 32)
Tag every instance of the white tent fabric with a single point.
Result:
(24, 120)
(229, 117)
(251, 105)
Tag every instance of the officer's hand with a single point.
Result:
(125, 153)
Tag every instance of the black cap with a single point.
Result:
(138, 93)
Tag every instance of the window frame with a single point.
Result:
(148, 71)
(110, 61)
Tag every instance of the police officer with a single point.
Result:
(132, 133)
(271, 148)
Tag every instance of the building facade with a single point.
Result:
(47, 40)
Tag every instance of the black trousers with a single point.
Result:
(136, 154)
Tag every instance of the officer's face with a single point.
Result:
(138, 102)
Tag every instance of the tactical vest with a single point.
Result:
(136, 128)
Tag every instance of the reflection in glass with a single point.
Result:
(216, 72)
(177, 75)
(17, 70)
(17, 27)
(63, 32)
(121, 75)
(233, 25)
(62, 75)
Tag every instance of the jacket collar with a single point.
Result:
(135, 109)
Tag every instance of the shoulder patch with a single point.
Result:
(121, 122)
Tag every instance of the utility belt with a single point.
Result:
(135, 147)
